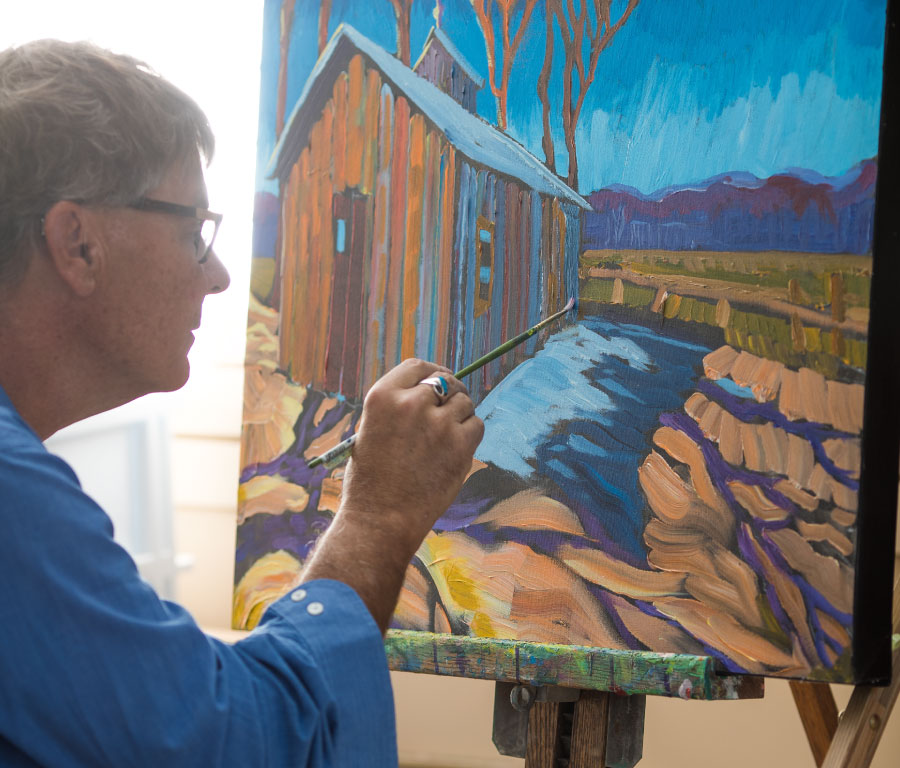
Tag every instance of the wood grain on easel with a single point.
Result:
(863, 722)
(589, 729)
(818, 713)
(542, 744)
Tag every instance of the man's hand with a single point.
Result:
(411, 457)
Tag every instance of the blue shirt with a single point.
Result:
(97, 670)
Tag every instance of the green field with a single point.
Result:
(812, 272)
(719, 283)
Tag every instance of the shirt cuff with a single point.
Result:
(344, 639)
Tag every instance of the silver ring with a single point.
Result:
(440, 387)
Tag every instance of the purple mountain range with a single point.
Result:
(798, 210)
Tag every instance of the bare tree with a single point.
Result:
(577, 28)
(324, 17)
(401, 12)
(544, 94)
(287, 23)
(484, 14)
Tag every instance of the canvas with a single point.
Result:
(678, 467)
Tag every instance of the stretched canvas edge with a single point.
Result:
(876, 514)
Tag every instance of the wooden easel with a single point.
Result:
(582, 729)
(564, 726)
(581, 736)
(849, 740)
(564, 705)
(568, 727)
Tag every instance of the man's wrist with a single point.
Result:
(385, 528)
(367, 553)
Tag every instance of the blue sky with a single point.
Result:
(688, 88)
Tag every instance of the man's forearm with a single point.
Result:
(411, 457)
(371, 559)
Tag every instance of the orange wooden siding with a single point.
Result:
(339, 158)
(371, 147)
(373, 365)
(415, 191)
(370, 132)
(355, 121)
(290, 224)
(445, 256)
(399, 167)
(321, 255)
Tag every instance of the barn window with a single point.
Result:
(484, 251)
(340, 235)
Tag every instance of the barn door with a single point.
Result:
(345, 342)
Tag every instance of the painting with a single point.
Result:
(678, 468)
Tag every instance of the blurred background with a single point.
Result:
(165, 467)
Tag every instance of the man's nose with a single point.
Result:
(216, 275)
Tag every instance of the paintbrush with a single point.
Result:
(341, 451)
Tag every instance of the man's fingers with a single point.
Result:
(410, 372)
(470, 427)
(474, 430)
(459, 407)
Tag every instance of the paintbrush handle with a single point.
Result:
(506, 346)
(334, 456)
(341, 451)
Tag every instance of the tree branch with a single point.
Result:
(401, 12)
(574, 25)
(483, 13)
(526, 16)
(544, 91)
(605, 40)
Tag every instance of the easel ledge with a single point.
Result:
(584, 668)
(568, 666)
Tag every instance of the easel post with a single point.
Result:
(849, 741)
(818, 713)
(552, 725)
(578, 737)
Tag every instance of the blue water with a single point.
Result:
(736, 389)
(578, 419)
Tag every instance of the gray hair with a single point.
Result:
(81, 123)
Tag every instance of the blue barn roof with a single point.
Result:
(470, 134)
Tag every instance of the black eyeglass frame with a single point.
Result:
(186, 211)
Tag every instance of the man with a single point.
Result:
(105, 259)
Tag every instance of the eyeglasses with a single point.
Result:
(209, 225)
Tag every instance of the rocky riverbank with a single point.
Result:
(748, 528)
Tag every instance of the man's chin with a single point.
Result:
(176, 378)
(182, 379)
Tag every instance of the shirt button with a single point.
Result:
(314, 609)
(298, 594)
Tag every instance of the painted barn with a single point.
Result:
(410, 226)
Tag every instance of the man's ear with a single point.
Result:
(71, 245)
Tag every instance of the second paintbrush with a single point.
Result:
(341, 452)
